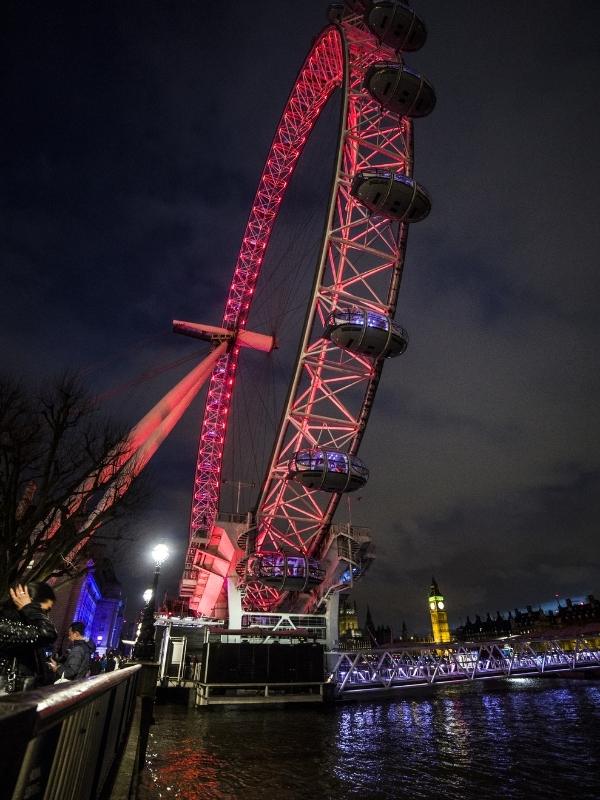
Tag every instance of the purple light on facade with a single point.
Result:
(101, 616)
(89, 595)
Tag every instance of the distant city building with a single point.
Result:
(93, 598)
(378, 636)
(348, 624)
(352, 636)
(383, 635)
(548, 617)
(438, 614)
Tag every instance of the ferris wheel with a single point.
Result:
(348, 330)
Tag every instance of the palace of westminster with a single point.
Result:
(574, 615)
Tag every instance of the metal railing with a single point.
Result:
(65, 742)
(411, 665)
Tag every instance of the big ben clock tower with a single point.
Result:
(439, 616)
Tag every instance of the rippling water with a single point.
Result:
(527, 738)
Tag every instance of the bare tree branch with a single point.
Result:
(59, 457)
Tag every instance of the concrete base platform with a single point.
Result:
(260, 694)
(239, 700)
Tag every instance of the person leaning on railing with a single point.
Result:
(25, 630)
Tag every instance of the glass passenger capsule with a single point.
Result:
(396, 25)
(328, 470)
(400, 89)
(391, 194)
(366, 332)
(295, 573)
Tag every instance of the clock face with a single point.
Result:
(432, 606)
(440, 605)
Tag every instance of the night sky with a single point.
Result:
(133, 136)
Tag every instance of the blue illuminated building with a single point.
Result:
(87, 600)
(93, 598)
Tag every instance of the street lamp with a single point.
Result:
(144, 649)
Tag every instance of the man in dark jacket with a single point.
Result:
(76, 663)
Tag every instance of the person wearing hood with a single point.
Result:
(76, 664)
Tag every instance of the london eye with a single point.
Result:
(349, 330)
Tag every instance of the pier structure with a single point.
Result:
(386, 671)
(188, 645)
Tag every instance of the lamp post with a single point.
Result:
(144, 649)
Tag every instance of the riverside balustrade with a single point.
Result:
(66, 742)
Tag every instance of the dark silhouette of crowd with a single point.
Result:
(107, 662)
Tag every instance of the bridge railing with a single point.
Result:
(65, 742)
(407, 665)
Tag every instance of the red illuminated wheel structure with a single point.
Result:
(348, 330)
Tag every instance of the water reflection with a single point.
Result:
(527, 739)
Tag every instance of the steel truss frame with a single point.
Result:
(261, 625)
(316, 81)
(458, 661)
(361, 261)
(360, 264)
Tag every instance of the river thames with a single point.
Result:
(525, 738)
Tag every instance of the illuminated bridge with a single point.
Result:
(403, 666)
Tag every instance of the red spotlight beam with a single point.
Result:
(141, 444)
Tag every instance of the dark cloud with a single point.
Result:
(534, 539)
(133, 138)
